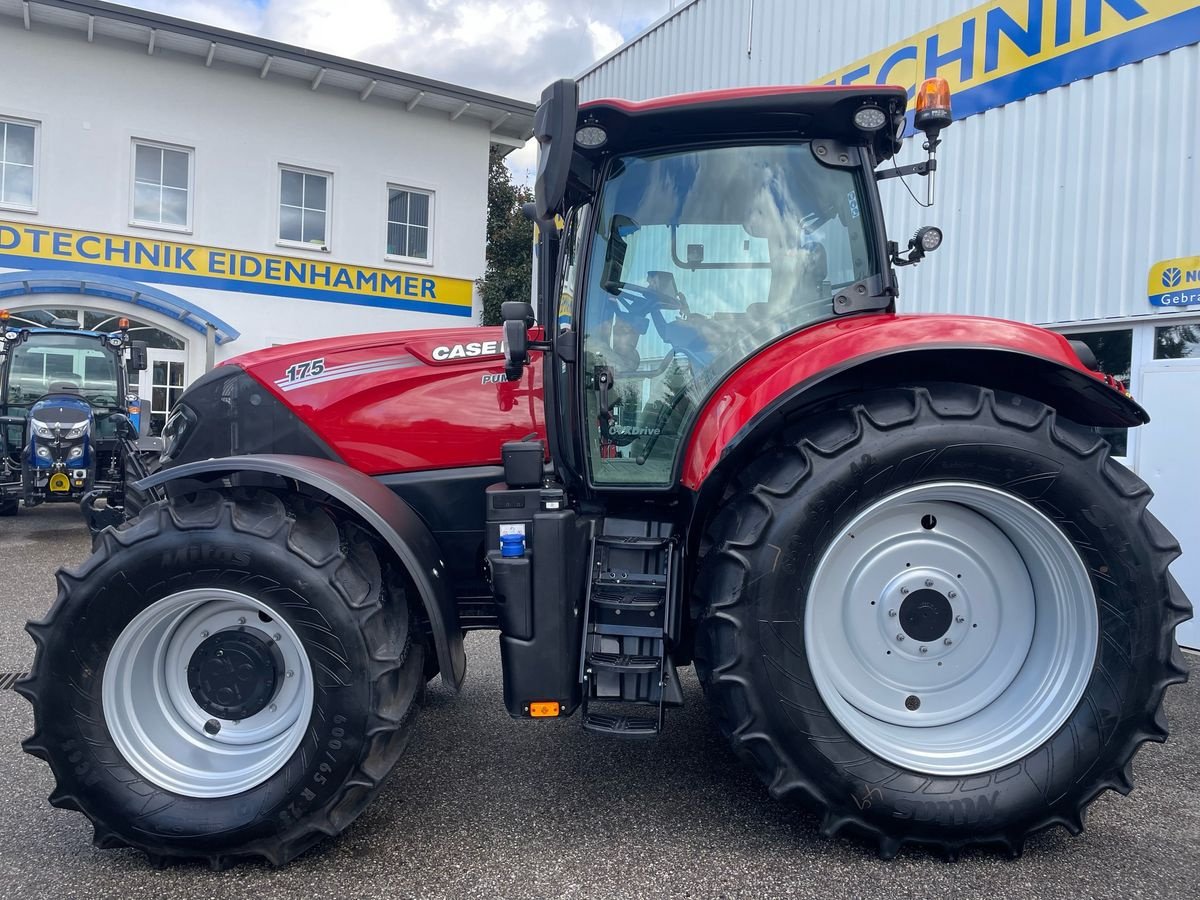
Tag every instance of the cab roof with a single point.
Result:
(792, 111)
(78, 332)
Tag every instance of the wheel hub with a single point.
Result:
(233, 674)
(926, 615)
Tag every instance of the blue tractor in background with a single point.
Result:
(70, 426)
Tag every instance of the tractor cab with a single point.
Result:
(66, 411)
(668, 262)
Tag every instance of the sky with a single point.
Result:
(508, 47)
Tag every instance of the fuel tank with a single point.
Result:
(401, 401)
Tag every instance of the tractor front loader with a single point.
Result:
(920, 595)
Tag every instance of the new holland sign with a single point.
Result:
(1006, 50)
(1175, 282)
(26, 246)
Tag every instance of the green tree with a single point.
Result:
(509, 241)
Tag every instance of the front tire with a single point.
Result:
(845, 587)
(230, 676)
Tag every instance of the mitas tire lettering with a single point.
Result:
(324, 578)
(197, 554)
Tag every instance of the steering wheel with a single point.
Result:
(652, 298)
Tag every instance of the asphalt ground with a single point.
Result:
(482, 806)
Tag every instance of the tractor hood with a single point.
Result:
(382, 403)
(61, 413)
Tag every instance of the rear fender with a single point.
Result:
(378, 508)
(870, 352)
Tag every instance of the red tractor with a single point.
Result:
(919, 594)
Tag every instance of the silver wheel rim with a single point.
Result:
(160, 728)
(1020, 619)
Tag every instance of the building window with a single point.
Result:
(18, 161)
(162, 185)
(303, 207)
(408, 223)
(1177, 341)
(1114, 353)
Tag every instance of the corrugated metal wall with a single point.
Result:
(1054, 207)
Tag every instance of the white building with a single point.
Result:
(1067, 190)
(227, 193)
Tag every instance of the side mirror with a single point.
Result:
(518, 319)
(138, 359)
(614, 253)
(123, 427)
(517, 311)
(554, 130)
(516, 349)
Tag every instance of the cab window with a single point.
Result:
(698, 259)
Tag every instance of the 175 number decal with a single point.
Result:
(305, 369)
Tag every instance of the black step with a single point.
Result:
(631, 542)
(620, 726)
(623, 662)
(633, 601)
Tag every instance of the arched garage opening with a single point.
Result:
(181, 337)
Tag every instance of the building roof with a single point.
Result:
(509, 121)
(677, 7)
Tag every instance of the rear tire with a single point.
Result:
(827, 726)
(288, 755)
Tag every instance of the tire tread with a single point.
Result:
(344, 553)
(777, 475)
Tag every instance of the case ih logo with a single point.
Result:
(1171, 277)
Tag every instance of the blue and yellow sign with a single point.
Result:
(1006, 50)
(1175, 282)
(27, 246)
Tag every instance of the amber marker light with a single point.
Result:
(933, 105)
(543, 709)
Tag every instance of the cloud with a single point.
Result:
(513, 48)
(508, 47)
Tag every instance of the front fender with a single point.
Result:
(874, 351)
(393, 520)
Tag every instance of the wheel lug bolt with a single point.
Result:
(928, 582)
(241, 620)
(900, 637)
(904, 590)
(204, 634)
(276, 637)
(290, 673)
(892, 613)
(947, 642)
(960, 619)
(272, 707)
(952, 595)
(924, 649)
